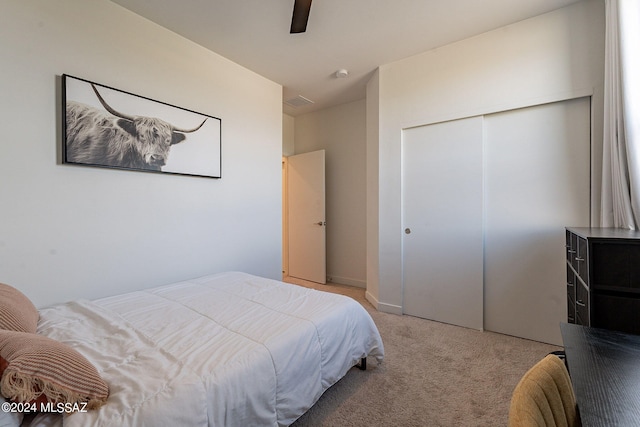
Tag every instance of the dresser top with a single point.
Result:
(605, 233)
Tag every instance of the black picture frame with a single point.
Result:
(111, 128)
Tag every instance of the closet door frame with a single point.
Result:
(534, 183)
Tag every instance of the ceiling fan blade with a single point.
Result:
(300, 16)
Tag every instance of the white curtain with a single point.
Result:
(621, 161)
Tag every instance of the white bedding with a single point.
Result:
(229, 349)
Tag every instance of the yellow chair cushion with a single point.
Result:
(544, 397)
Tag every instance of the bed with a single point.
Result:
(228, 349)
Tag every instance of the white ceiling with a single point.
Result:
(358, 35)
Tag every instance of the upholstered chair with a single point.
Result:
(544, 397)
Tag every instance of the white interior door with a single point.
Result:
(442, 218)
(306, 206)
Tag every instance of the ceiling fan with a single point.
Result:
(300, 16)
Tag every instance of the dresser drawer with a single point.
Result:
(581, 264)
(582, 305)
(571, 296)
(616, 312)
(616, 266)
(570, 240)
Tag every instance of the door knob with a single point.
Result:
(321, 223)
(407, 231)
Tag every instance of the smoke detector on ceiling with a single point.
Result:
(342, 73)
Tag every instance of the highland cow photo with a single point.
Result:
(107, 127)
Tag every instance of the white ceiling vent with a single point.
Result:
(298, 101)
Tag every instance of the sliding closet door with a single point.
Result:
(537, 180)
(442, 222)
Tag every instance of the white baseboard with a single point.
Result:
(346, 281)
(374, 302)
(385, 308)
(390, 308)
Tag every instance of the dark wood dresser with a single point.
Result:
(603, 278)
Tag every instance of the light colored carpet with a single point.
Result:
(433, 375)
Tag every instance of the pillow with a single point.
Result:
(17, 312)
(40, 369)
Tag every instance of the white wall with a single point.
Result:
(374, 250)
(552, 57)
(288, 149)
(70, 232)
(288, 135)
(341, 132)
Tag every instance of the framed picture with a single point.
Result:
(107, 127)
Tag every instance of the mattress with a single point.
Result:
(229, 349)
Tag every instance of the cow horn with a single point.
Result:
(108, 108)
(127, 117)
(189, 130)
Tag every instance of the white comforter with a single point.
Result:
(223, 350)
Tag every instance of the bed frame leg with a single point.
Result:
(363, 364)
